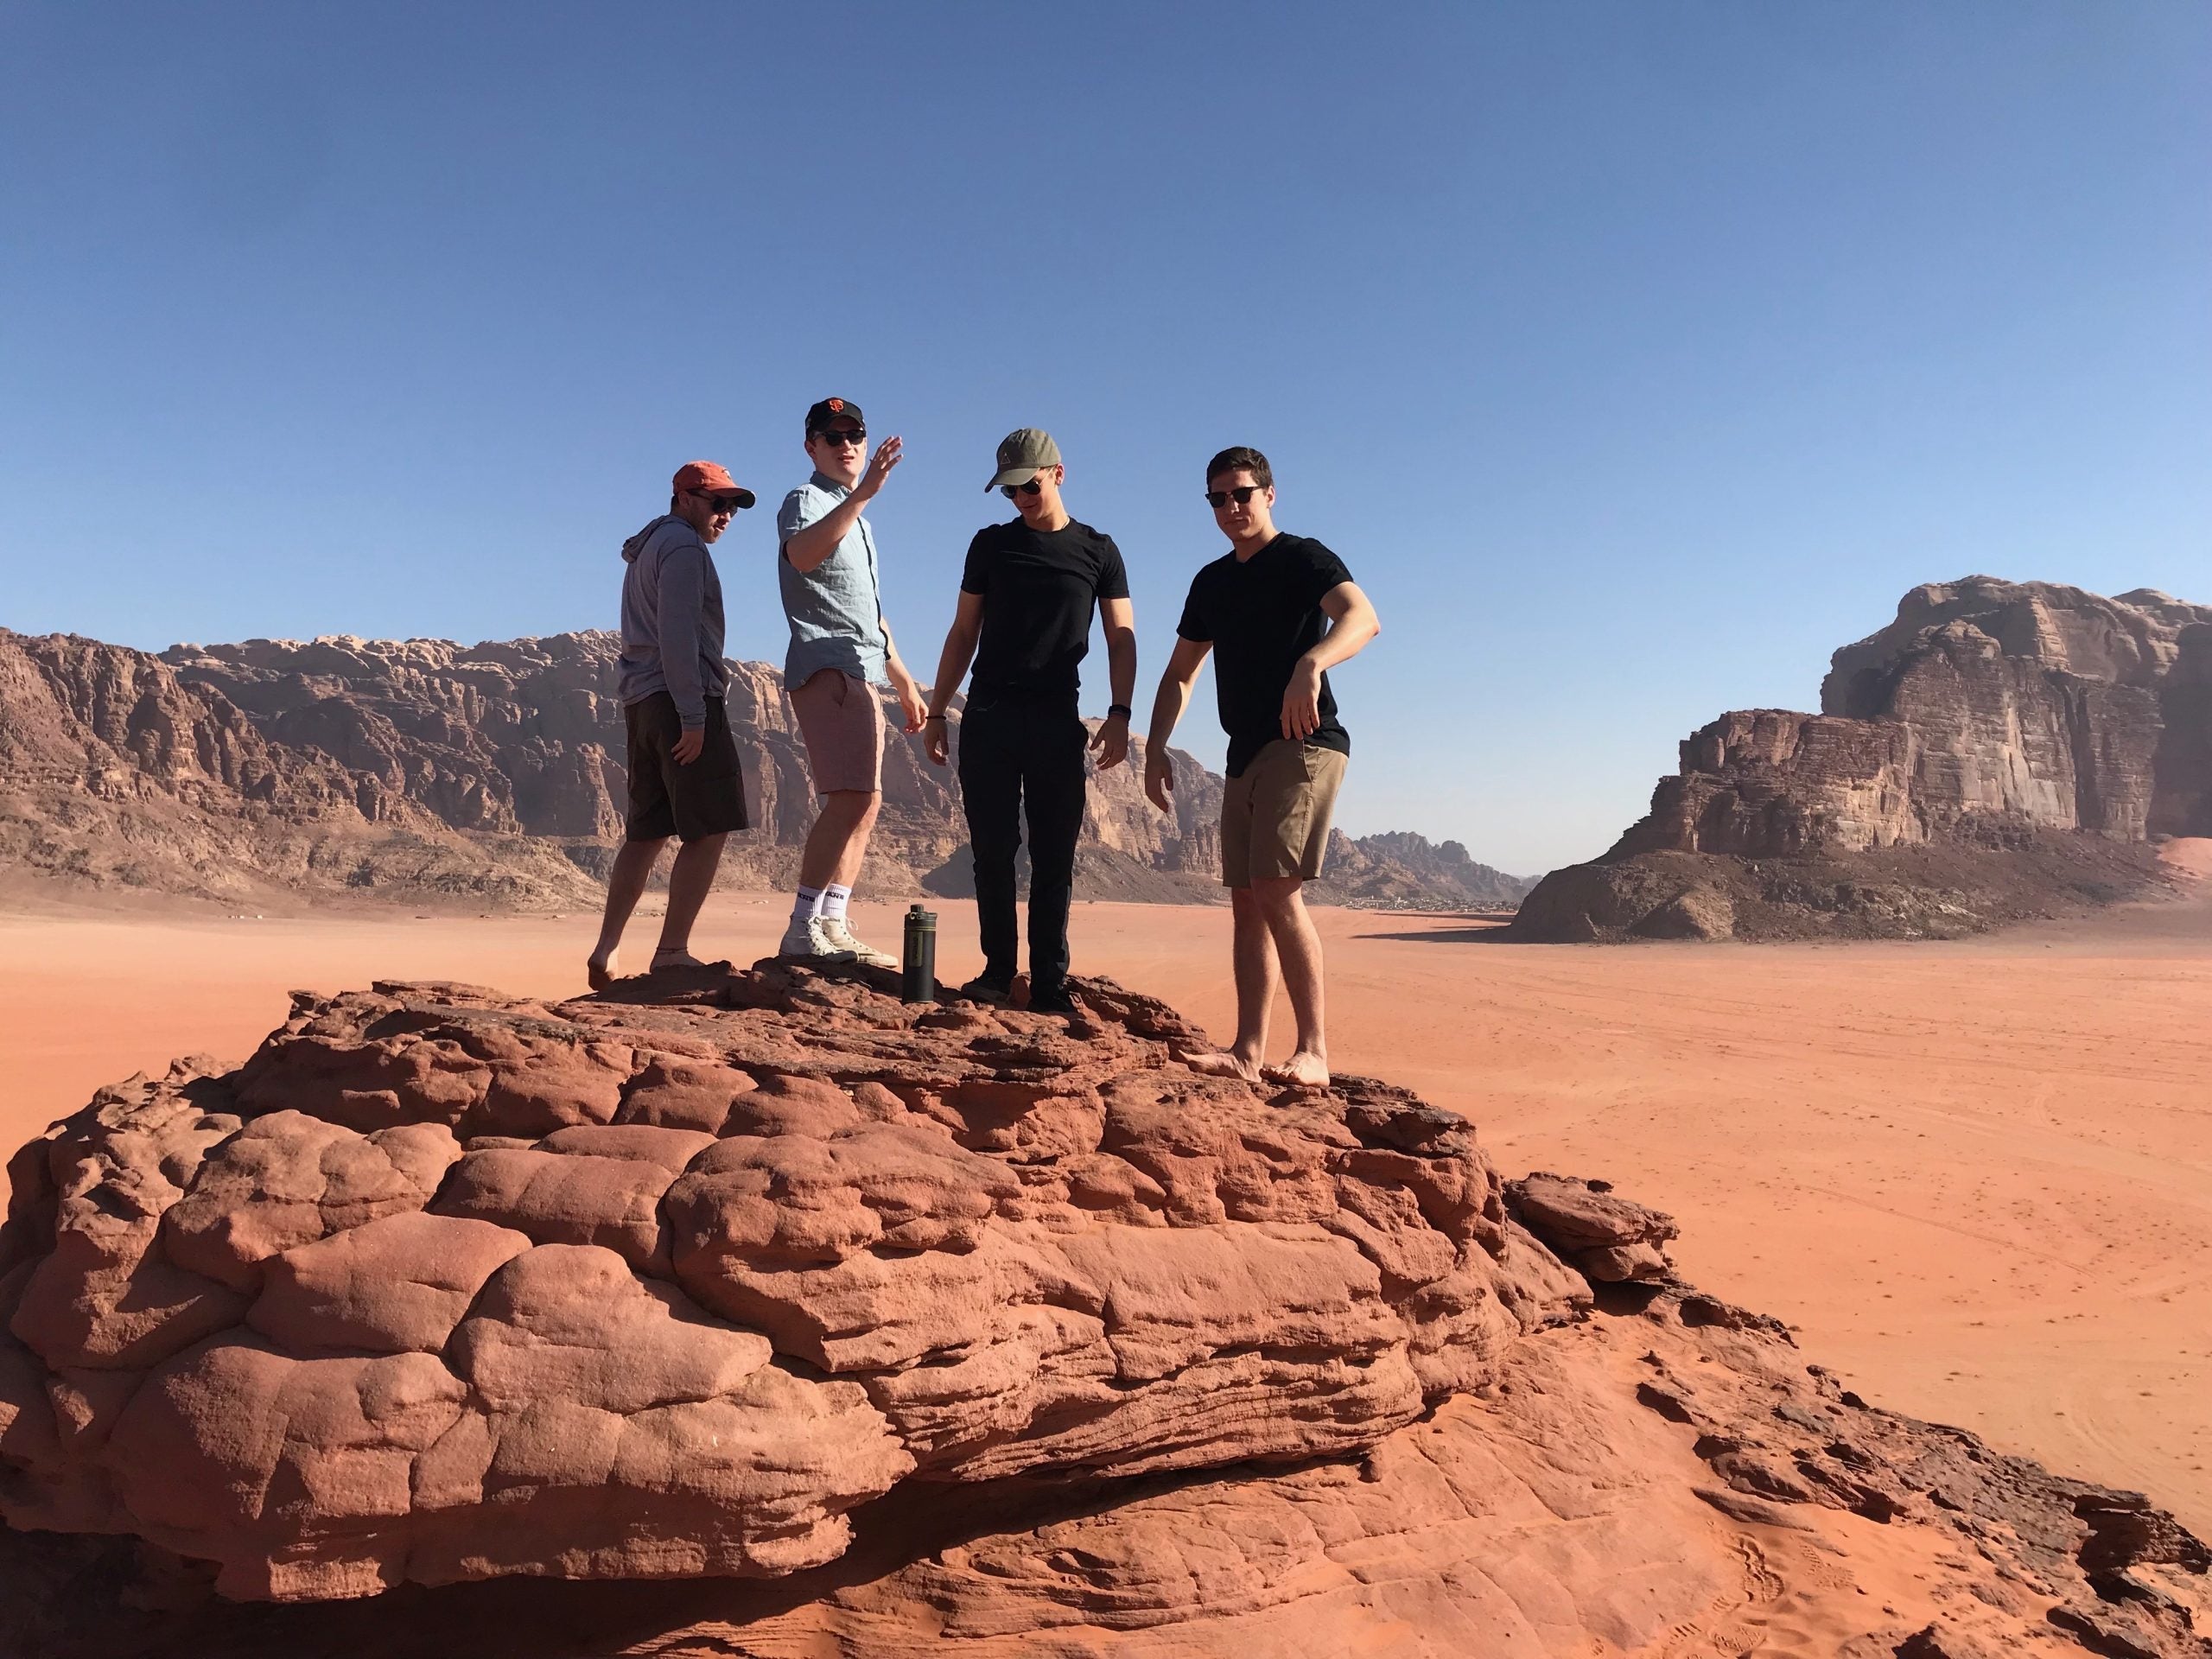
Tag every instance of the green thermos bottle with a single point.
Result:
(918, 975)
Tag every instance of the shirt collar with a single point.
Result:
(823, 481)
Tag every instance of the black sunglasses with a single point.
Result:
(719, 504)
(842, 434)
(1014, 492)
(1244, 492)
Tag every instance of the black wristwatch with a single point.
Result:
(1121, 709)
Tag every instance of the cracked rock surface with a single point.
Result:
(863, 1331)
(443, 1285)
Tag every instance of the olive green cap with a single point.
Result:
(1022, 455)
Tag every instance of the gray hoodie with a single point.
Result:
(672, 620)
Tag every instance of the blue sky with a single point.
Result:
(1634, 355)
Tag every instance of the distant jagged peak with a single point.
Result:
(1401, 869)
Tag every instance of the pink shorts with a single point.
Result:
(842, 724)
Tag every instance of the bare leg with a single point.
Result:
(1255, 960)
(1298, 947)
(689, 879)
(838, 840)
(626, 885)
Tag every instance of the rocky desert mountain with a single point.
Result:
(764, 1314)
(2001, 751)
(430, 773)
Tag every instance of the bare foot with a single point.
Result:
(1222, 1065)
(598, 971)
(1302, 1070)
(665, 960)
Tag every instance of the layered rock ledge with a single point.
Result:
(443, 1285)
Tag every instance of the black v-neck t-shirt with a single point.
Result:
(1260, 615)
(1039, 588)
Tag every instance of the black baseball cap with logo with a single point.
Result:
(819, 417)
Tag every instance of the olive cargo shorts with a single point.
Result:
(1274, 814)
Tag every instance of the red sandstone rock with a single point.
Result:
(945, 1278)
(396, 1285)
(1588, 1498)
(287, 1179)
(558, 1199)
(443, 1284)
(1609, 1239)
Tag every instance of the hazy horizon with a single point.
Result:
(1634, 359)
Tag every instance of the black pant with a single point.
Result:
(1018, 753)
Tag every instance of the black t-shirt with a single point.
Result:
(1260, 615)
(1039, 588)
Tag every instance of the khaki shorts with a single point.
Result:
(842, 724)
(1274, 814)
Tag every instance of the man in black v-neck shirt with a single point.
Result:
(1025, 599)
(1277, 612)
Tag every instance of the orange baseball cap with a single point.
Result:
(710, 478)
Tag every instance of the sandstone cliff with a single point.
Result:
(424, 771)
(2001, 750)
(899, 1331)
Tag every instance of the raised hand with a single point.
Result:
(879, 466)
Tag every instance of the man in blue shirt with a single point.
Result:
(840, 646)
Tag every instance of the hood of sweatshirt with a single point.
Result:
(636, 544)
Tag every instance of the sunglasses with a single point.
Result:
(836, 435)
(720, 504)
(1220, 499)
(1015, 491)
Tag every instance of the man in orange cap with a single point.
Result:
(685, 780)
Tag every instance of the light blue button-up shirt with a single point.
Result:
(835, 610)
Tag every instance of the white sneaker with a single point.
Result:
(834, 930)
(809, 941)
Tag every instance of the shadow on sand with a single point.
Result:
(1483, 927)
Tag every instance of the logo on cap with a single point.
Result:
(836, 405)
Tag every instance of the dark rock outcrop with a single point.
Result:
(1990, 728)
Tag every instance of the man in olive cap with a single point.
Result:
(1026, 601)
(685, 780)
